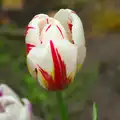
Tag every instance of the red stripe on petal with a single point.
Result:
(36, 17)
(29, 47)
(60, 31)
(41, 41)
(70, 27)
(27, 29)
(60, 79)
(48, 28)
(45, 74)
(73, 42)
(47, 78)
(57, 66)
(47, 21)
(73, 12)
(1, 93)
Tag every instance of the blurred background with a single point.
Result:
(99, 79)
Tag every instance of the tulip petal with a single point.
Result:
(25, 112)
(71, 22)
(32, 67)
(1, 93)
(7, 100)
(3, 116)
(73, 25)
(43, 59)
(63, 16)
(77, 28)
(55, 67)
(34, 28)
(11, 106)
(81, 56)
(1, 109)
(78, 37)
(7, 91)
(54, 30)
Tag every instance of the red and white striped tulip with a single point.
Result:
(11, 107)
(55, 48)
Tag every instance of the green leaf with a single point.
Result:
(95, 112)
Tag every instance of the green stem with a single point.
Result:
(62, 106)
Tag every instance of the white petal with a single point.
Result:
(56, 32)
(31, 64)
(64, 15)
(81, 56)
(44, 60)
(25, 112)
(33, 33)
(53, 31)
(11, 106)
(7, 91)
(67, 51)
(77, 29)
(7, 101)
(3, 116)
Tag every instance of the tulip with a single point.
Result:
(11, 107)
(55, 48)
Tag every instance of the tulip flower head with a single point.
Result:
(55, 48)
(11, 107)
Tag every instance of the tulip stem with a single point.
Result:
(62, 106)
